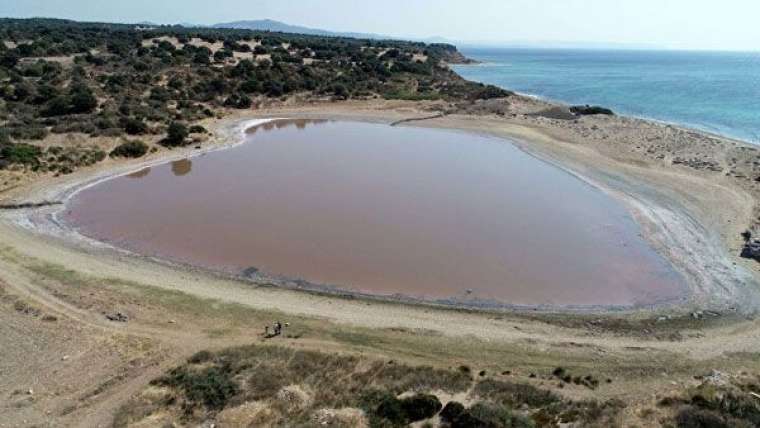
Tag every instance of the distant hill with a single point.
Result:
(277, 26)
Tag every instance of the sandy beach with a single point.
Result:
(692, 193)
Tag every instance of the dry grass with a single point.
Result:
(269, 382)
(273, 385)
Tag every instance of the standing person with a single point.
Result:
(277, 328)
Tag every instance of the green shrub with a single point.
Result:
(591, 110)
(82, 100)
(486, 415)
(391, 410)
(211, 387)
(515, 394)
(29, 132)
(20, 153)
(197, 129)
(384, 408)
(693, 417)
(239, 101)
(133, 126)
(176, 135)
(130, 149)
(452, 411)
(420, 406)
(490, 91)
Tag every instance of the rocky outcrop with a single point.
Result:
(590, 110)
(751, 249)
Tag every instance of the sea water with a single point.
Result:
(717, 92)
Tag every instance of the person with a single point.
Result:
(266, 331)
(277, 328)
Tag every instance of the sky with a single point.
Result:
(676, 24)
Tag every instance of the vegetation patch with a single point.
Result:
(127, 79)
(591, 110)
(718, 402)
(297, 387)
(130, 149)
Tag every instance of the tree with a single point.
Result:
(130, 149)
(201, 58)
(134, 126)
(82, 99)
(176, 134)
(58, 106)
(9, 59)
(240, 101)
(340, 91)
(251, 86)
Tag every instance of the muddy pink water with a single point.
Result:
(386, 210)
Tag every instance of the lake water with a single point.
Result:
(431, 214)
(713, 91)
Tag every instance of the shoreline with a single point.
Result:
(688, 127)
(649, 217)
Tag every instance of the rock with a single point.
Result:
(117, 317)
(172, 322)
(751, 250)
(251, 272)
(64, 358)
(30, 392)
(716, 378)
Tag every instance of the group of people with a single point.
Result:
(276, 331)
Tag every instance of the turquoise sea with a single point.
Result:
(717, 92)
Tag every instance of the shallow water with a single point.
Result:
(385, 210)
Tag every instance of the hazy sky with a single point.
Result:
(691, 24)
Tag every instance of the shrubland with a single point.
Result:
(60, 77)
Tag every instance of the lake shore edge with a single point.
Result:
(666, 222)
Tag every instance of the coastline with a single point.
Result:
(667, 228)
(683, 126)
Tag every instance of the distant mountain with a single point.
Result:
(271, 25)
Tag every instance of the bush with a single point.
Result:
(483, 415)
(590, 110)
(197, 129)
(239, 101)
(384, 406)
(130, 149)
(82, 100)
(5, 139)
(452, 411)
(211, 387)
(391, 410)
(692, 417)
(176, 135)
(490, 91)
(24, 154)
(251, 86)
(29, 132)
(134, 126)
(420, 406)
(58, 106)
(515, 394)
